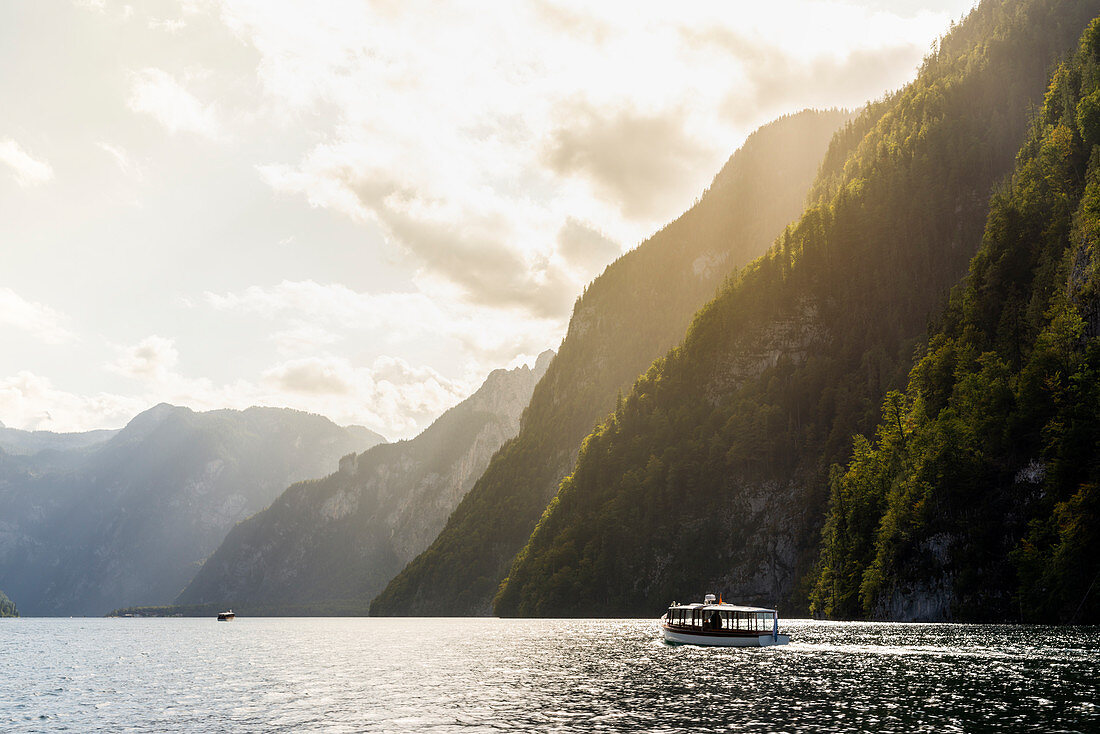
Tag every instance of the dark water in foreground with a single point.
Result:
(433, 675)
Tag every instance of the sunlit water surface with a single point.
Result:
(443, 675)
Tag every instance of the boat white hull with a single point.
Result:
(719, 640)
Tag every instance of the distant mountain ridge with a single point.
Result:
(127, 521)
(629, 315)
(17, 442)
(345, 536)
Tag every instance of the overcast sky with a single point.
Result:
(360, 209)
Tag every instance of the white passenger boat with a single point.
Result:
(722, 625)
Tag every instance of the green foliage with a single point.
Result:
(630, 315)
(7, 606)
(994, 503)
(714, 473)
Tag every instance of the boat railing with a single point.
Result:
(722, 620)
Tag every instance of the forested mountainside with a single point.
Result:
(7, 606)
(978, 498)
(711, 474)
(128, 521)
(345, 536)
(628, 316)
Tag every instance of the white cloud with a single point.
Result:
(157, 93)
(490, 248)
(332, 301)
(31, 402)
(122, 160)
(27, 170)
(152, 359)
(773, 76)
(482, 337)
(637, 160)
(303, 337)
(312, 376)
(35, 318)
(472, 134)
(390, 394)
(168, 25)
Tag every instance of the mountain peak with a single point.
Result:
(543, 363)
(504, 386)
(146, 421)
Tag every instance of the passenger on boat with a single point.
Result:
(715, 620)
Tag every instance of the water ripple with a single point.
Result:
(490, 675)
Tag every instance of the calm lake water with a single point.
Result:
(445, 675)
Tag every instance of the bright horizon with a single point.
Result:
(361, 210)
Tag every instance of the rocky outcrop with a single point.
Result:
(344, 536)
(7, 606)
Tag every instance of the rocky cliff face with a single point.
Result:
(126, 521)
(344, 536)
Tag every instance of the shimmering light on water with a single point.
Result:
(444, 675)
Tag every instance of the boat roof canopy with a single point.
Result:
(722, 608)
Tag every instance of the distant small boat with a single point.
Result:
(226, 616)
(721, 625)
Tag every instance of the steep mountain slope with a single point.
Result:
(980, 497)
(711, 474)
(632, 313)
(345, 536)
(128, 521)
